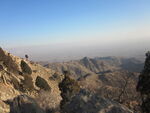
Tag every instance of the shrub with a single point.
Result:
(1, 68)
(35, 71)
(42, 83)
(56, 77)
(24, 104)
(143, 85)
(26, 56)
(48, 101)
(25, 68)
(69, 88)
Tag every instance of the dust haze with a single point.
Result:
(71, 51)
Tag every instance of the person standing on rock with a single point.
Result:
(27, 57)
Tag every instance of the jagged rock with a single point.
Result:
(88, 63)
(143, 85)
(25, 68)
(4, 108)
(56, 77)
(15, 81)
(87, 102)
(27, 83)
(7, 61)
(24, 104)
(42, 83)
(68, 87)
(47, 101)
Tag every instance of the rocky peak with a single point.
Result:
(8, 61)
(24, 104)
(18, 77)
(86, 59)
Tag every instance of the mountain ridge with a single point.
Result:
(24, 82)
(107, 76)
(97, 65)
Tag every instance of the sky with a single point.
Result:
(74, 28)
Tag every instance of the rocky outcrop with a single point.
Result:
(18, 77)
(4, 108)
(6, 60)
(87, 102)
(25, 68)
(24, 104)
(69, 87)
(42, 83)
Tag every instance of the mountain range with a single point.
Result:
(107, 85)
(111, 77)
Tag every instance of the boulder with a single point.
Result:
(7, 61)
(25, 68)
(42, 84)
(24, 104)
(87, 102)
(4, 108)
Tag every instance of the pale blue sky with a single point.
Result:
(42, 22)
(57, 30)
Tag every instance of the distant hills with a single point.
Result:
(97, 65)
(111, 77)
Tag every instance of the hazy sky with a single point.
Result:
(74, 27)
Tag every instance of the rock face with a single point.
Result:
(4, 108)
(7, 61)
(86, 102)
(144, 85)
(24, 104)
(25, 68)
(42, 83)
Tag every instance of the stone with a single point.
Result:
(24, 104)
(88, 102)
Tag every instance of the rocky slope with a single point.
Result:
(99, 65)
(14, 82)
(27, 87)
(111, 77)
(88, 102)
